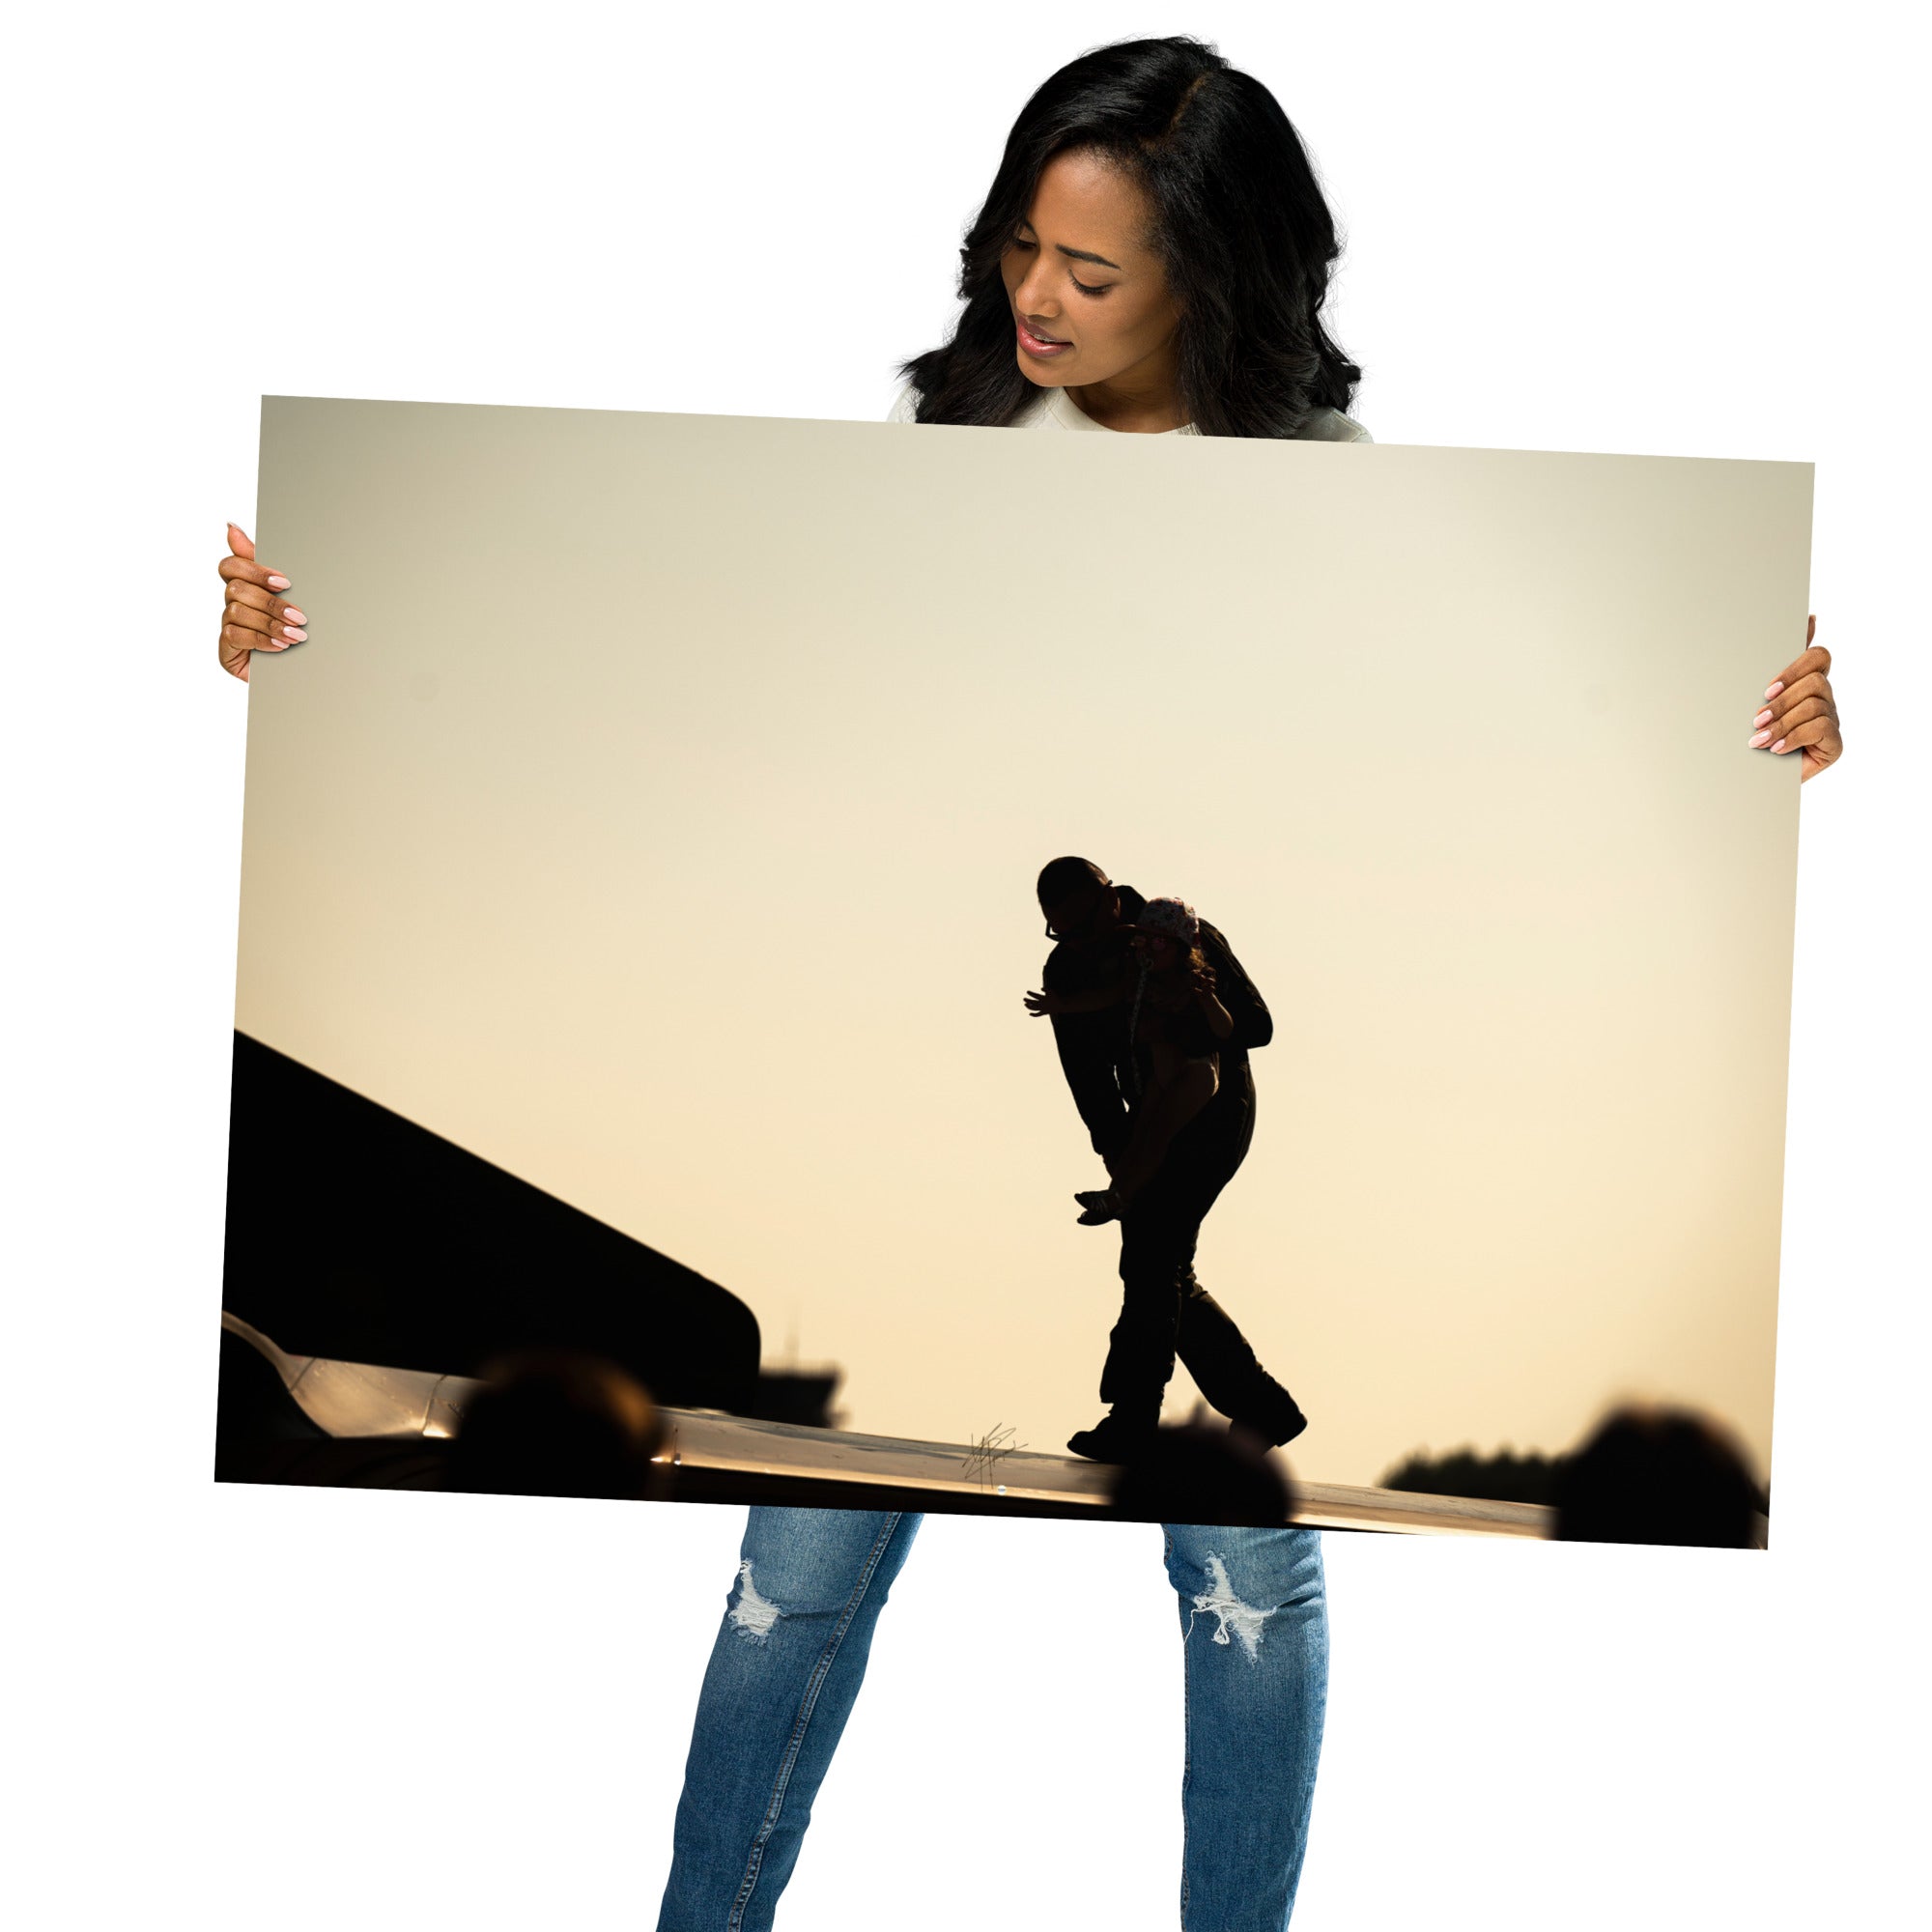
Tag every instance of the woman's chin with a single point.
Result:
(1041, 378)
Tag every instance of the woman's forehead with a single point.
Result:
(1086, 202)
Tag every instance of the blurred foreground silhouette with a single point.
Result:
(559, 1423)
(1202, 1471)
(1659, 1475)
(1645, 1474)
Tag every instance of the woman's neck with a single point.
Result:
(1144, 399)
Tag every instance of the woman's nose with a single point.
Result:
(1032, 296)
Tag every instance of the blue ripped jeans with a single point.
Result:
(791, 1654)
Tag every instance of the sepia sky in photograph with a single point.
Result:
(656, 808)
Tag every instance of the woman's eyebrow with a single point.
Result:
(1079, 254)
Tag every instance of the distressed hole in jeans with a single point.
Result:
(752, 1615)
(1243, 1620)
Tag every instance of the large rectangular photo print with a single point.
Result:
(1207, 979)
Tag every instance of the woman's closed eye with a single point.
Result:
(1085, 288)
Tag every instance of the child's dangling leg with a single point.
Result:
(1179, 1090)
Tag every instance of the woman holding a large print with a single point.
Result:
(1153, 258)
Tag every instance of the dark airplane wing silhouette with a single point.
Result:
(356, 1234)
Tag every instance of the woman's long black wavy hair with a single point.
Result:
(1240, 227)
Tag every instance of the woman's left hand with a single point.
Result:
(1799, 714)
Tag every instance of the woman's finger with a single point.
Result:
(251, 596)
(1807, 731)
(247, 617)
(1801, 711)
(241, 638)
(1775, 734)
(1784, 676)
(1817, 659)
(273, 619)
(279, 610)
(239, 618)
(1818, 740)
(240, 564)
(1815, 685)
(239, 570)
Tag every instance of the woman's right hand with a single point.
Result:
(254, 617)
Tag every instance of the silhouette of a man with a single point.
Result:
(1164, 1309)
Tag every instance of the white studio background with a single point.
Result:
(1679, 230)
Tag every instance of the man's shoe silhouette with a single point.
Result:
(1112, 1440)
(1283, 1425)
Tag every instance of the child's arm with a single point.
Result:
(1220, 1021)
(1112, 994)
(1253, 1026)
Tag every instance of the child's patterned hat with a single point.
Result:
(1169, 919)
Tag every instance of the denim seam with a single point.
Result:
(1186, 1740)
(774, 1810)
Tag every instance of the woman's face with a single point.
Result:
(1091, 301)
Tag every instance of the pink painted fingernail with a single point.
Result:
(278, 582)
(1772, 690)
(294, 635)
(1762, 718)
(1780, 746)
(1762, 738)
(294, 615)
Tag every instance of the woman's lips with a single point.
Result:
(1043, 346)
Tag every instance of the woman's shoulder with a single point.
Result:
(1331, 426)
(1321, 426)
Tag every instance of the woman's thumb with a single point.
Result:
(241, 543)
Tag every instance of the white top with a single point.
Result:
(1055, 408)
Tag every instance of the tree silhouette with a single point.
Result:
(1504, 1477)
